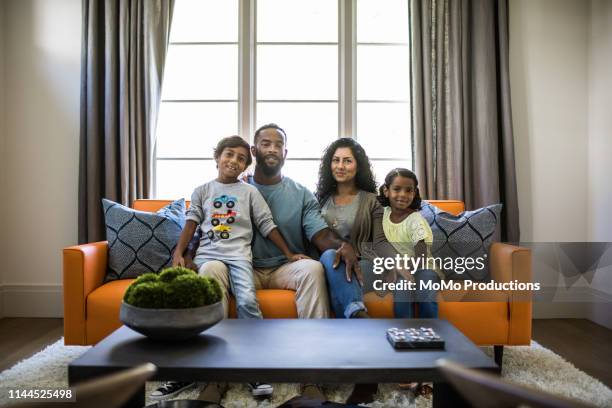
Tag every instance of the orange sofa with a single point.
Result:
(91, 307)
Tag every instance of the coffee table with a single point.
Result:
(288, 350)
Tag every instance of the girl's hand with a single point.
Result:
(297, 257)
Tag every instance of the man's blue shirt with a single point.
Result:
(297, 215)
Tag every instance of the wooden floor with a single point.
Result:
(20, 338)
(581, 342)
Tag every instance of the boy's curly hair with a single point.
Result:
(233, 141)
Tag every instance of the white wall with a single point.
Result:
(549, 82)
(600, 120)
(42, 74)
(548, 77)
(2, 159)
(561, 107)
(600, 147)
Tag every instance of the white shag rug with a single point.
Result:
(533, 366)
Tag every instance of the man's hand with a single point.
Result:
(297, 257)
(347, 254)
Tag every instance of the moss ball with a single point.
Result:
(169, 274)
(148, 295)
(183, 292)
(147, 277)
(213, 291)
(173, 288)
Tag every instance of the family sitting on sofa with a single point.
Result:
(257, 235)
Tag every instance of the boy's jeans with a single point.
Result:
(347, 297)
(242, 285)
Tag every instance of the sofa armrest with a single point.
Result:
(509, 263)
(84, 271)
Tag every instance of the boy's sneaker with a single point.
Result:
(169, 389)
(261, 389)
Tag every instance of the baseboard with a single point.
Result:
(31, 301)
(575, 303)
(601, 313)
(559, 310)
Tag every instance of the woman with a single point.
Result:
(347, 193)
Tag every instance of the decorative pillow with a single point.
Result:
(467, 235)
(139, 241)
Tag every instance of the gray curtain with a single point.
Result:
(462, 120)
(122, 62)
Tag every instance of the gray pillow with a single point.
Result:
(469, 234)
(139, 241)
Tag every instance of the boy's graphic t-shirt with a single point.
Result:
(226, 214)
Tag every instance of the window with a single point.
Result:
(319, 68)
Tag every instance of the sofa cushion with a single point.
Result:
(274, 304)
(103, 309)
(139, 241)
(469, 234)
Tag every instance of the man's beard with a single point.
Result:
(260, 161)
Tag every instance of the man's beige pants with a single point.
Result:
(306, 277)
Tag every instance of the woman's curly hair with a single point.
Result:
(364, 179)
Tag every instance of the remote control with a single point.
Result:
(414, 338)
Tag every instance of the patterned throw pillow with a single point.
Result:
(467, 235)
(140, 242)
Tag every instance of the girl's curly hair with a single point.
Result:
(384, 201)
(364, 180)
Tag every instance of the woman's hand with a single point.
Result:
(347, 254)
(297, 257)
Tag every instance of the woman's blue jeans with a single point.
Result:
(346, 298)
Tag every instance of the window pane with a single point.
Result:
(297, 72)
(305, 172)
(382, 21)
(188, 129)
(178, 178)
(201, 72)
(297, 21)
(383, 72)
(383, 129)
(309, 126)
(205, 21)
(383, 167)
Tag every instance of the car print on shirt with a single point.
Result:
(230, 217)
(229, 201)
(221, 230)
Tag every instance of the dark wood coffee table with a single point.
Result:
(287, 350)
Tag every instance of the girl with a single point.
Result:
(410, 234)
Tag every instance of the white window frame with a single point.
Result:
(247, 62)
